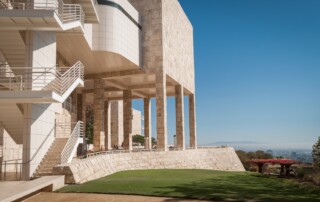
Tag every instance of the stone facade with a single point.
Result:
(152, 48)
(63, 124)
(96, 167)
(178, 57)
(167, 40)
(136, 122)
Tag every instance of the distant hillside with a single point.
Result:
(253, 146)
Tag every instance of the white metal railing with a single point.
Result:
(11, 170)
(70, 12)
(56, 79)
(66, 12)
(71, 144)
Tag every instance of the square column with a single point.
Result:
(147, 123)
(180, 117)
(83, 116)
(116, 123)
(127, 119)
(192, 121)
(107, 125)
(80, 107)
(98, 126)
(161, 101)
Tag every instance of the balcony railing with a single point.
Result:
(72, 142)
(56, 79)
(66, 12)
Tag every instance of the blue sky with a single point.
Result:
(257, 71)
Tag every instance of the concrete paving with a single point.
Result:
(59, 197)
(11, 191)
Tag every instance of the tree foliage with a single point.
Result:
(247, 156)
(316, 155)
(138, 139)
(89, 123)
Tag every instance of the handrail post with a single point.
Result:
(21, 171)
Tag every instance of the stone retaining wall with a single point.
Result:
(81, 171)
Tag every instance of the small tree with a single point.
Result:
(153, 141)
(138, 139)
(89, 123)
(316, 155)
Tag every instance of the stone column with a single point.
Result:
(79, 107)
(74, 111)
(192, 121)
(98, 126)
(81, 116)
(127, 119)
(147, 123)
(116, 123)
(83, 112)
(161, 101)
(180, 117)
(107, 125)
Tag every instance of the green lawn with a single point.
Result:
(200, 184)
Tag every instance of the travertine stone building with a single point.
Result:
(58, 56)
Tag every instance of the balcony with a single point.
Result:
(41, 15)
(39, 85)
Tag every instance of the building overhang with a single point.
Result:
(30, 97)
(42, 20)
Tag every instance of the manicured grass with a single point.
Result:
(200, 184)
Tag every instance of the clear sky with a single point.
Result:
(257, 66)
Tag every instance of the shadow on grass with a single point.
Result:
(244, 188)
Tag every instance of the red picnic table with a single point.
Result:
(285, 164)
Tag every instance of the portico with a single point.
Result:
(131, 85)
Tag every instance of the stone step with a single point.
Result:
(52, 158)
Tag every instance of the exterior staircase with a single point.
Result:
(52, 158)
(62, 151)
(37, 85)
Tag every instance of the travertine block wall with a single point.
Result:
(167, 40)
(152, 49)
(63, 124)
(178, 56)
(136, 122)
(96, 167)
